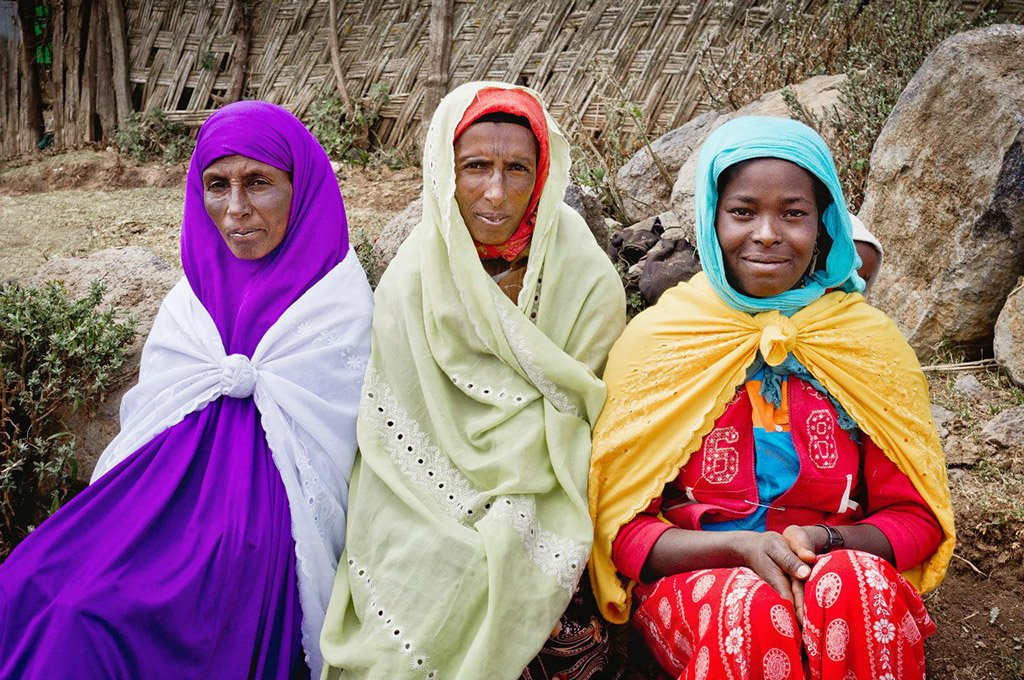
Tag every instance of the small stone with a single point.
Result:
(960, 452)
(1006, 430)
(969, 386)
(942, 416)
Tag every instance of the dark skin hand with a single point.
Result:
(781, 560)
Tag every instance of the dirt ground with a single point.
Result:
(77, 203)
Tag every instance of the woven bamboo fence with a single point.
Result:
(186, 57)
(584, 56)
(580, 55)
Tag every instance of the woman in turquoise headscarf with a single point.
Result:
(766, 466)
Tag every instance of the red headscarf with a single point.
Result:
(517, 103)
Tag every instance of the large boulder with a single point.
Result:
(946, 191)
(1008, 342)
(644, 187)
(641, 183)
(396, 231)
(392, 236)
(136, 281)
(818, 96)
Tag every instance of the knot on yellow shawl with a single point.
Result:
(778, 336)
(676, 368)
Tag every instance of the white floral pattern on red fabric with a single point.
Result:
(828, 589)
(703, 586)
(782, 620)
(837, 639)
(704, 620)
(776, 664)
(703, 662)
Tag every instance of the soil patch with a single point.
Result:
(77, 203)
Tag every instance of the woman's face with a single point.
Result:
(250, 202)
(767, 225)
(495, 170)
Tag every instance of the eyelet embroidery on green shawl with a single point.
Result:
(375, 611)
(486, 393)
(559, 557)
(412, 452)
(525, 359)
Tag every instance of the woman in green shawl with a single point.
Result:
(468, 521)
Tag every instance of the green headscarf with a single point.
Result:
(468, 522)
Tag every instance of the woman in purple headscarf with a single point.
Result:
(207, 544)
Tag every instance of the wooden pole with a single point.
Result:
(31, 92)
(440, 51)
(119, 58)
(339, 75)
(240, 58)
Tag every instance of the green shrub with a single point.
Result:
(56, 355)
(345, 135)
(596, 158)
(152, 136)
(879, 46)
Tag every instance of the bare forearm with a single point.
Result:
(680, 550)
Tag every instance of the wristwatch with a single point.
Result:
(834, 540)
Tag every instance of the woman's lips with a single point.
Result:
(766, 263)
(494, 219)
(245, 234)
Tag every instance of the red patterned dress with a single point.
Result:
(861, 620)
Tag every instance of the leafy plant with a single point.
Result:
(56, 355)
(596, 158)
(153, 136)
(345, 135)
(879, 46)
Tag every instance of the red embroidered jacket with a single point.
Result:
(840, 482)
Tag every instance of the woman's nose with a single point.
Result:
(495, 190)
(766, 231)
(238, 201)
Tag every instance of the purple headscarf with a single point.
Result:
(246, 297)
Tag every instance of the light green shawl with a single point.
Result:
(468, 522)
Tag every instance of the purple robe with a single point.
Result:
(179, 563)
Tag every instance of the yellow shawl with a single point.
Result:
(677, 366)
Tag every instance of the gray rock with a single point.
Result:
(1008, 341)
(961, 452)
(1006, 430)
(136, 282)
(643, 186)
(946, 191)
(817, 95)
(590, 208)
(392, 236)
(969, 386)
(942, 416)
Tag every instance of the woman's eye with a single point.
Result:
(794, 213)
(740, 212)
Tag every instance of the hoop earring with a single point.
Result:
(814, 261)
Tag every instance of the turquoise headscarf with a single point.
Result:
(748, 137)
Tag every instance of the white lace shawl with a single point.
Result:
(305, 376)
